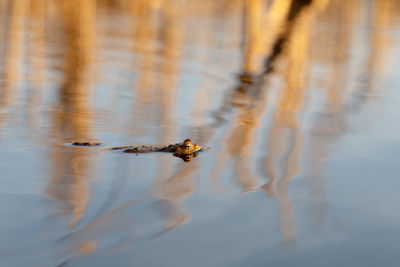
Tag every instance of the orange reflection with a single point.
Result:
(285, 139)
(144, 44)
(72, 116)
(249, 99)
(36, 57)
(170, 189)
(13, 56)
(285, 143)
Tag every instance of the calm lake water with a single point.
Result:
(298, 102)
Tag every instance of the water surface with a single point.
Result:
(297, 101)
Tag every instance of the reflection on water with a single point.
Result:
(156, 72)
(72, 113)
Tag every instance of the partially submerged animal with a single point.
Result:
(185, 150)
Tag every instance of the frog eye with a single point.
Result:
(188, 146)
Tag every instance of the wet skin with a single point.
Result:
(185, 150)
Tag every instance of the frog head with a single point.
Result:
(187, 147)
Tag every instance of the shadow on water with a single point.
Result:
(166, 62)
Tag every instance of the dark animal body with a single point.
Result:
(185, 150)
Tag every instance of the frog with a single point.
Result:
(185, 150)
